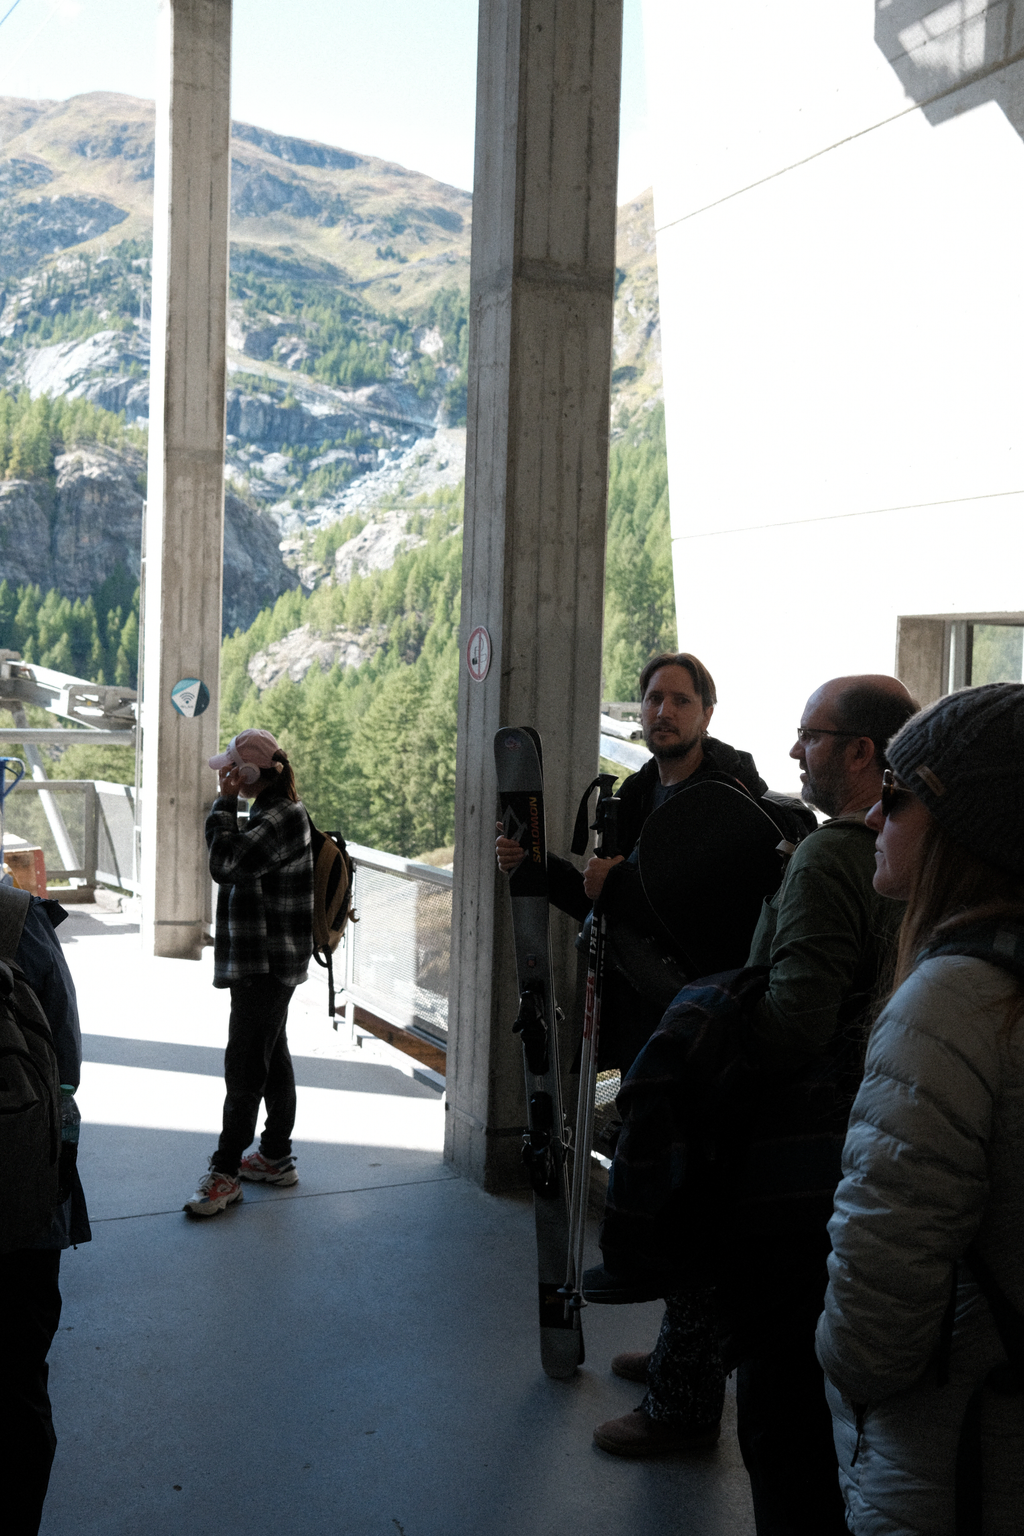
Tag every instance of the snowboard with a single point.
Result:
(517, 759)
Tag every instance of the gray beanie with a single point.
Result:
(964, 757)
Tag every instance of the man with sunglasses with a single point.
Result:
(823, 932)
(824, 936)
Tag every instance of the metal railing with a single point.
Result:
(397, 956)
(394, 962)
(94, 842)
(397, 959)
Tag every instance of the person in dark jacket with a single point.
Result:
(678, 699)
(263, 942)
(824, 937)
(30, 1299)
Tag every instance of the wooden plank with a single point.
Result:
(433, 1056)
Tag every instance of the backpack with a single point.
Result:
(30, 1103)
(719, 1156)
(332, 899)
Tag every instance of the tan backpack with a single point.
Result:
(332, 899)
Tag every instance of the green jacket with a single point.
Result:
(826, 934)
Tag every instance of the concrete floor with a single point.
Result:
(357, 1355)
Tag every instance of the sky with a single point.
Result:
(394, 78)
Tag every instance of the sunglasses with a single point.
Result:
(892, 793)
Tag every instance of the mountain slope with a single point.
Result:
(636, 340)
(348, 339)
(348, 310)
(85, 166)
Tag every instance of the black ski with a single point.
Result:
(517, 758)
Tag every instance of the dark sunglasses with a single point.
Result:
(892, 793)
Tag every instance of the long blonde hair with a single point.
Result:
(953, 889)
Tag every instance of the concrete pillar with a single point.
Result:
(541, 294)
(922, 657)
(185, 513)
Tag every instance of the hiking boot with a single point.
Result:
(268, 1170)
(632, 1365)
(636, 1434)
(214, 1192)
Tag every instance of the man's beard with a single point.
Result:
(827, 789)
(671, 750)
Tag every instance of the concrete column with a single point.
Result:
(922, 657)
(542, 291)
(185, 512)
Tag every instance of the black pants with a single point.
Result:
(685, 1377)
(785, 1435)
(782, 1419)
(257, 1065)
(30, 1311)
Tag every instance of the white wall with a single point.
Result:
(843, 320)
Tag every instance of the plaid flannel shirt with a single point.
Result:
(264, 872)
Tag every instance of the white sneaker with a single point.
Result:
(215, 1191)
(268, 1170)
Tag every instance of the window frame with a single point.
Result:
(934, 651)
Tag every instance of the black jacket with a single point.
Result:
(565, 882)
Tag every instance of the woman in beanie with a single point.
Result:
(264, 938)
(929, 1216)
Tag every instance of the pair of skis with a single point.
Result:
(560, 1215)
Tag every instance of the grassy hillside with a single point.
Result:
(395, 234)
(348, 308)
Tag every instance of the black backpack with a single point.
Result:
(30, 1105)
(332, 899)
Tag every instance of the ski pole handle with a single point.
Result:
(606, 824)
(604, 783)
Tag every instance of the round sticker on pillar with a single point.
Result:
(190, 697)
(478, 654)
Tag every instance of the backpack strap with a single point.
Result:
(14, 905)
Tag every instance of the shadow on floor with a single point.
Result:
(208, 1061)
(356, 1356)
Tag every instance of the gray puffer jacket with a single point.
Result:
(934, 1159)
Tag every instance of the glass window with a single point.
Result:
(996, 653)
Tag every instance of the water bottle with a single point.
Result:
(70, 1115)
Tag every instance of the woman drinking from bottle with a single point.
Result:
(264, 938)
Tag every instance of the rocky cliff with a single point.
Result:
(73, 533)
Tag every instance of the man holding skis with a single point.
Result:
(678, 699)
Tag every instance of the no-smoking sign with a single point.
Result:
(478, 654)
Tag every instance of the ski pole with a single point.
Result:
(520, 775)
(605, 846)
